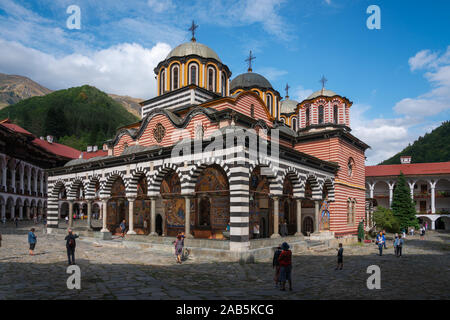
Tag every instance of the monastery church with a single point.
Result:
(313, 185)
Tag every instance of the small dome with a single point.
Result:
(288, 106)
(192, 47)
(250, 80)
(323, 92)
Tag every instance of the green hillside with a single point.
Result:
(77, 117)
(433, 147)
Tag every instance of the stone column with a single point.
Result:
(70, 213)
(22, 189)
(316, 216)
(276, 208)
(89, 214)
(131, 216)
(41, 183)
(28, 213)
(187, 217)
(104, 214)
(4, 173)
(21, 212)
(29, 180)
(432, 224)
(3, 211)
(433, 197)
(13, 180)
(372, 188)
(35, 182)
(391, 193)
(299, 218)
(153, 217)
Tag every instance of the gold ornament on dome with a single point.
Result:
(159, 132)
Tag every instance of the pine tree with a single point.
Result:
(403, 206)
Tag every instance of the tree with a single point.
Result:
(361, 231)
(403, 206)
(384, 220)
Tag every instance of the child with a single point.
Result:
(32, 241)
(396, 244)
(399, 246)
(123, 228)
(380, 242)
(285, 261)
(340, 257)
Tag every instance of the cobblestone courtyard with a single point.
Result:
(119, 273)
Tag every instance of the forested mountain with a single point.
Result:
(432, 147)
(77, 117)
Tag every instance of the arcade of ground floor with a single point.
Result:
(131, 273)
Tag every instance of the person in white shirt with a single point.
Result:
(256, 230)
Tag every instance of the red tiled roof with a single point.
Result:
(55, 148)
(58, 149)
(408, 169)
(98, 153)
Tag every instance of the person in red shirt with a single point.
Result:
(285, 260)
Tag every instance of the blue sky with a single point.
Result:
(398, 77)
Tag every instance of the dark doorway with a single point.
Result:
(205, 208)
(159, 225)
(308, 226)
(263, 228)
(439, 224)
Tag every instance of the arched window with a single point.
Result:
(162, 79)
(175, 77)
(256, 92)
(294, 124)
(350, 167)
(211, 79)
(270, 103)
(224, 84)
(307, 116)
(193, 74)
(321, 115)
(335, 114)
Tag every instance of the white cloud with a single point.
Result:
(125, 69)
(438, 74)
(300, 93)
(160, 5)
(271, 73)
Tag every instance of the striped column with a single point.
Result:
(104, 215)
(70, 213)
(239, 208)
(187, 217)
(52, 211)
(299, 218)
(89, 214)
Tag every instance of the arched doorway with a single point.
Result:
(308, 226)
(172, 204)
(439, 224)
(260, 205)
(10, 209)
(212, 203)
(117, 207)
(159, 225)
(289, 217)
(142, 207)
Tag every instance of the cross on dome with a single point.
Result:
(323, 81)
(192, 29)
(287, 90)
(250, 58)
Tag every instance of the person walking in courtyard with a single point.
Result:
(395, 243)
(340, 257)
(179, 245)
(16, 222)
(32, 239)
(70, 246)
(276, 266)
(67, 219)
(399, 246)
(285, 260)
(380, 242)
(123, 228)
(384, 237)
(422, 233)
(284, 228)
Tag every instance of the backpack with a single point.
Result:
(71, 242)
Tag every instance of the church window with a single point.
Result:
(335, 114)
(211, 78)
(294, 124)
(270, 103)
(307, 116)
(321, 114)
(224, 84)
(162, 79)
(252, 111)
(349, 211)
(175, 77)
(350, 167)
(193, 74)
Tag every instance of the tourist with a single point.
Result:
(380, 242)
(284, 229)
(285, 260)
(256, 231)
(70, 245)
(276, 265)
(123, 228)
(426, 225)
(228, 227)
(399, 246)
(32, 239)
(67, 219)
(395, 243)
(403, 233)
(422, 233)
(16, 222)
(179, 245)
(44, 222)
(384, 236)
(340, 257)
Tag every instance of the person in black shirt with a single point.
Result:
(70, 245)
(340, 256)
(276, 266)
